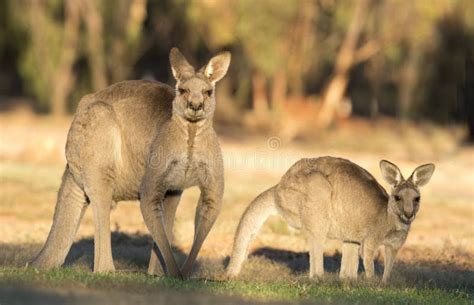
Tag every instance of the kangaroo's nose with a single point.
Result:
(195, 106)
(408, 214)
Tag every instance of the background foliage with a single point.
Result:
(313, 60)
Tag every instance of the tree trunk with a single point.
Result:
(336, 88)
(301, 47)
(126, 41)
(333, 95)
(279, 88)
(39, 36)
(409, 76)
(64, 78)
(260, 100)
(469, 96)
(95, 46)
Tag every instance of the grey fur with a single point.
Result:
(334, 198)
(142, 140)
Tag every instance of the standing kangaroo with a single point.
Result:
(334, 198)
(142, 140)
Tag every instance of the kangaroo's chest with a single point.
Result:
(187, 160)
(396, 238)
(185, 171)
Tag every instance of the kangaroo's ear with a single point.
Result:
(391, 173)
(179, 65)
(217, 67)
(422, 174)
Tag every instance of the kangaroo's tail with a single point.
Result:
(253, 218)
(70, 208)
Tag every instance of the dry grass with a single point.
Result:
(439, 252)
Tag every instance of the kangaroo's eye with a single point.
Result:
(208, 92)
(182, 91)
(397, 198)
(417, 199)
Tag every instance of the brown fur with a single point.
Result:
(334, 198)
(142, 140)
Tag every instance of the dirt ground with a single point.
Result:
(439, 250)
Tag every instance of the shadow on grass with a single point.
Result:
(131, 252)
(299, 261)
(422, 274)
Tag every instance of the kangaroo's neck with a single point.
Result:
(185, 125)
(394, 227)
(192, 131)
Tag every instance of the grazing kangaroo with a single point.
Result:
(334, 198)
(142, 140)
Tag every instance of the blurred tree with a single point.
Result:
(12, 41)
(467, 12)
(417, 35)
(47, 60)
(446, 70)
(302, 48)
(55, 44)
(284, 52)
(264, 30)
(95, 42)
(111, 59)
(125, 25)
(469, 94)
(348, 55)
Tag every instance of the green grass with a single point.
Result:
(301, 289)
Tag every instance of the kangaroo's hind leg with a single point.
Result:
(96, 154)
(207, 210)
(101, 202)
(350, 260)
(170, 204)
(70, 207)
(314, 220)
(316, 255)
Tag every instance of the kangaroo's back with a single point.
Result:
(346, 179)
(139, 105)
(331, 188)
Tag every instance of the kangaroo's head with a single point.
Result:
(404, 200)
(195, 91)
